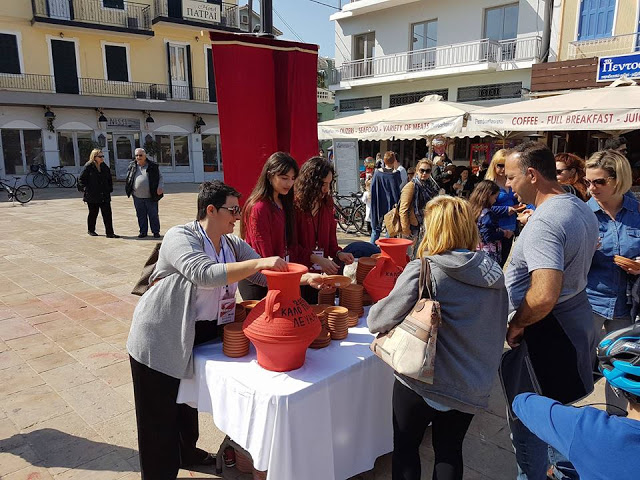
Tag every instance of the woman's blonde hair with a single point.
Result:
(616, 165)
(92, 158)
(448, 225)
(499, 157)
(424, 160)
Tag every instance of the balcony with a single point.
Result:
(210, 15)
(442, 60)
(111, 15)
(104, 88)
(616, 45)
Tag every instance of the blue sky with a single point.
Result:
(310, 21)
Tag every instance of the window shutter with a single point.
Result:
(596, 19)
(9, 60)
(189, 74)
(211, 77)
(169, 69)
(116, 60)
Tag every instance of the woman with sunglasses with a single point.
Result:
(413, 198)
(570, 174)
(96, 183)
(608, 178)
(503, 206)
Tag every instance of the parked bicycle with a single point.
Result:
(21, 193)
(40, 177)
(350, 213)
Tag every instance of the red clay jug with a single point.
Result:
(389, 265)
(282, 325)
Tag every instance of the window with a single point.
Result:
(174, 151)
(10, 58)
(490, 92)
(424, 35)
(364, 46)
(354, 104)
(74, 148)
(397, 99)
(20, 148)
(116, 65)
(501, 23)
(596, 19)
(119, 4)
(211, 153)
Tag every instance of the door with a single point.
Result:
(210, 77)
(364, 50)
(123, 149)
(65, 71)
(60, 9)
(178, 69)
(424, 39)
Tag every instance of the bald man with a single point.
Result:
(145, 183)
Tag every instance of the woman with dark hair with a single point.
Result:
(491, 235)
(570, 174)
(268, 224)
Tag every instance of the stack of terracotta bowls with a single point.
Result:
(338, 322)
(241, 313)
(365, 264)
(324, 338)
(234, 343)
(249, 304)
(327, 295)
(351, 298)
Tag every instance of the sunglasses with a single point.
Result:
(139, 154)
(560, 170)
(235, 210)
(597, 182)
(499, 165)
(100, 156)
(424, 170)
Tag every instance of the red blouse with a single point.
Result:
(266, 230)
(318, 231)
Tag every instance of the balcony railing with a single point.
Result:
(110, 13)
(168, 9)
(106, 88)
(616, 45)
(324, 95)
(455, 55)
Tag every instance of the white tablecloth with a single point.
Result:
(328, 420)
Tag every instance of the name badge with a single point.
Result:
(319, 252)
(286, 258)
(226, 310)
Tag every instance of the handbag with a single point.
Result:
(410, 347)
(517, 375)
(142, 285)
(392, 221)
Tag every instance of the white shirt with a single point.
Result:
(207, 299)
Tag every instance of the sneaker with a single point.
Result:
(113, 235)
(156, 235)
(229, 457)
(93, 234)
(143, 235)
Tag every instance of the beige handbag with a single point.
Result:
(392, 221)
(410, 347)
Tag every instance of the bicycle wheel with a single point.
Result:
(349, 223)
(23, 194)
(360, 219)
(342, 216)
(40, 180)
(29, 178)
(67, 180)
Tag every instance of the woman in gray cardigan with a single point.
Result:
(198, 267)
(473, 302)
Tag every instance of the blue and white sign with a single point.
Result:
(614, 67)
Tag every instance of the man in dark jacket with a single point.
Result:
(145, 183)
(96, 184)
(385, 193)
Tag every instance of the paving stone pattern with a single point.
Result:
(66, 399)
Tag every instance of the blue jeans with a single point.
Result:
(375, 233)
(147, 213)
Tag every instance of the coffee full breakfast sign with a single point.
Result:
(571, 120)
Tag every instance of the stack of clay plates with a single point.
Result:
(365, 264)
(351, 298)
(324, 338)
(626, 263)
(241, 313)
(353, 318)
(376, 255)
(235, 343)
(338, 322)
(327, 295)
(249, 304)
(319, 311)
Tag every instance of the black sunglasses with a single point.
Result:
(499, 165)
(235, 210)
(560, 170)
(100, 156)
(597, 182)
(424, 170)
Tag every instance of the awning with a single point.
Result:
(430, 116)
(612, 108)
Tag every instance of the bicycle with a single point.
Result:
(41, 177)
(350, 213)
(22, 193)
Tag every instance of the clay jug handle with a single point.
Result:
(270, 302)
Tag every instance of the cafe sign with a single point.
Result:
(201, 11)
(614, 67)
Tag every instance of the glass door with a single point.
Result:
(179, 74)
(424, 38)
(364, 50)
(123, 148)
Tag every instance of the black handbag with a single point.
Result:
(142, 285)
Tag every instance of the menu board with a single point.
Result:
(345, 159)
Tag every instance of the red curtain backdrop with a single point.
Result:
(266, 91)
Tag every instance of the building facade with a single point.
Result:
(114, 74)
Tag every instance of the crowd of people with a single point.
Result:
(558, 296)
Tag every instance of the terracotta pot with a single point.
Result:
(282, 325)
(389, 265)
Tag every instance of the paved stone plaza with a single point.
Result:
(66, 399)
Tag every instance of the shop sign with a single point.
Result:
(201, 11)
(115, 123)
(606, 120)
(614, 67)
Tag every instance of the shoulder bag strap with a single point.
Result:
(425, 279)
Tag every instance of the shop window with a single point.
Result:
(20, 148)
(211, 153)
(115, 58)
(10, 58)
(74, 148)
(173, 152)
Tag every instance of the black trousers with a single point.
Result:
(251, 291)
(411, 416)
(506, 249)
(105, 207)
(167, 431)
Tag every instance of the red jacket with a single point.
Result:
(317, 231)
(265, 230)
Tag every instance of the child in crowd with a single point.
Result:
(482, 199)
(366, 198)
(599, 445)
